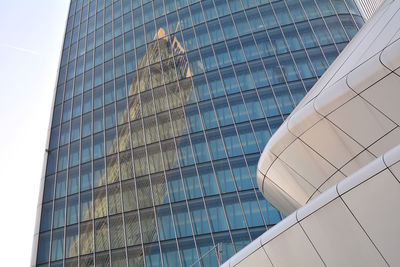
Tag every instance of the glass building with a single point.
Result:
(160, 113)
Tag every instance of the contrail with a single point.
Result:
(24, 50)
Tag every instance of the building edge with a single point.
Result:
(35, 240)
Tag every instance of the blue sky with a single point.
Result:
(31, 35)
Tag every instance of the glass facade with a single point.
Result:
(160, 113)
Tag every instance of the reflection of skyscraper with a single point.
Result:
(160, 113)
(368, 7)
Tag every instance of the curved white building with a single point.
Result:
(334, 164)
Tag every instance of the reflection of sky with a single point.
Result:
(30, 45)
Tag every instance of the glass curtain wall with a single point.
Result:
(161, 111)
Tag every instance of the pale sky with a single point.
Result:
(31, 35)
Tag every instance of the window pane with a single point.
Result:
(224, 176)
(100, 202)
(86, 206)
(182, 220)
(59, 213)
(61, 184)
(165, 223)
(43, 248)
(114, 199)
(132, 229)
(71, 242)
(129, 195)
(101, 235)
(86, 238)
(72, 210)
(216, 214)
(112, 169)
(73, 181)
(45, 220)
(175, 186)
(149, 231)
(116, 232)
(199, 217)
(233, 211)
(57, 248)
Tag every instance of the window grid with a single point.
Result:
(84, 71)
